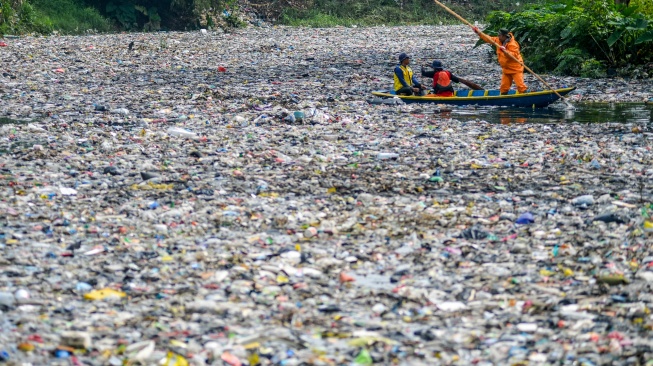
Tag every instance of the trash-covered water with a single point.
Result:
(233, 199)
(582, 113)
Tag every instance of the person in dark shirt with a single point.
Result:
(442, 80)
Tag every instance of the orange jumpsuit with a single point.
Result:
(512, 71)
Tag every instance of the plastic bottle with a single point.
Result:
(586, 200)
(176, 131)
(83, 287)
(123, 111)
(437, 176)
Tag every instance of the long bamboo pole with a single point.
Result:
(507, 53)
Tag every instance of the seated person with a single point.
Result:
(442, 80)
(405, 81)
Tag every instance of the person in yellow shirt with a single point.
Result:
(406, 82)
(513, 71)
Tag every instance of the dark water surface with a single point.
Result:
(9, 121)
(584, 113)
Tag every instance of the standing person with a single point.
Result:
(405, 81)
(513, 71)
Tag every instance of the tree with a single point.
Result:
(8, 11)
(167, 14)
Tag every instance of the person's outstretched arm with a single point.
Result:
(428, 74)
(485, 37)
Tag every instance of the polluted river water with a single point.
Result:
(581, 113)
(234, 199)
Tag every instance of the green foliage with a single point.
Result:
(78, 16)
(21, 18)
(46, 16)
(232, 21)
(562, 36)
(475, 9)
(70, 17)
(569, 60)
(313, 18)
(329, 13)
(123, 11)
(152, 15)
(230, 15)
(128, 12)
(7, 17)
(154, 19)
(644, 6)
(592, 68)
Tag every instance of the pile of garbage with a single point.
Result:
(233, 199)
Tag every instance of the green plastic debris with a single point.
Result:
(363, 358)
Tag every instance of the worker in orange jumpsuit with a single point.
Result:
(513, 71)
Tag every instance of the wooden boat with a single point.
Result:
(541, 98)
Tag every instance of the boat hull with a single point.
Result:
(536, 99)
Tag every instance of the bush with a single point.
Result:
(21, 17)
(328, 13)
(152, 15)
(233, 21)
(46, 16)
(569, 60)
(645, 6)
(80, 16)
(592, 68)
(69, 17)
(562, 36)
(6, 18)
